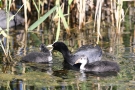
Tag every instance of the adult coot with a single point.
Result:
(16, 21)
(97, 66)
(94, 53)
(44, 56)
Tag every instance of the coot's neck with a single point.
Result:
(82, 67)
(66, 53)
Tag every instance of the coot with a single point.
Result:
(44, 56)
(15, 21)
(97, 66)
(94, 53)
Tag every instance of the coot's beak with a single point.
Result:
(50, 46)
(78, 61)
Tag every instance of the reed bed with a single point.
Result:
(65, 15)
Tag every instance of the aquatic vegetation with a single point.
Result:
(6, 34)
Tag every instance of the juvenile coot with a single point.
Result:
(44, 56)
(97, 66)
(94, 53)
(3, 19)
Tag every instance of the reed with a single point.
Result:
(62, 19)
(97, 20)
(7, 49)
(26, 25)
(58, 15)
(5, 33)
(69, 3)
(38, 8)
(118, 15)
(81, 9)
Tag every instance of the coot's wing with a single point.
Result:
(102, 66)
(73, 58)
(85, 47)
(93, 53)
(37, 57)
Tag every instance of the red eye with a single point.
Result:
(54, 45)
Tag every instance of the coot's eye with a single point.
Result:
(54, 44)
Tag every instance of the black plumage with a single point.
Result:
(38, 57)
(94, 53)
(97, 66)
(17, 20)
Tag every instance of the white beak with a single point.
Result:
(78, 61)
(50, 45)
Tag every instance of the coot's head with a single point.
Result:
(83, 60)
(60, 46)
(43, 48)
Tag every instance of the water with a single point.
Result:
(55, 76)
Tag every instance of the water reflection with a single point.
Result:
(17, 84)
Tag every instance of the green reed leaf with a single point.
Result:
(58, 31)
(41, 19)
(63, 19)
(69, 2)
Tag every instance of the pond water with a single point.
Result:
(56, 76)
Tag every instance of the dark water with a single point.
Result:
(56, 76)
